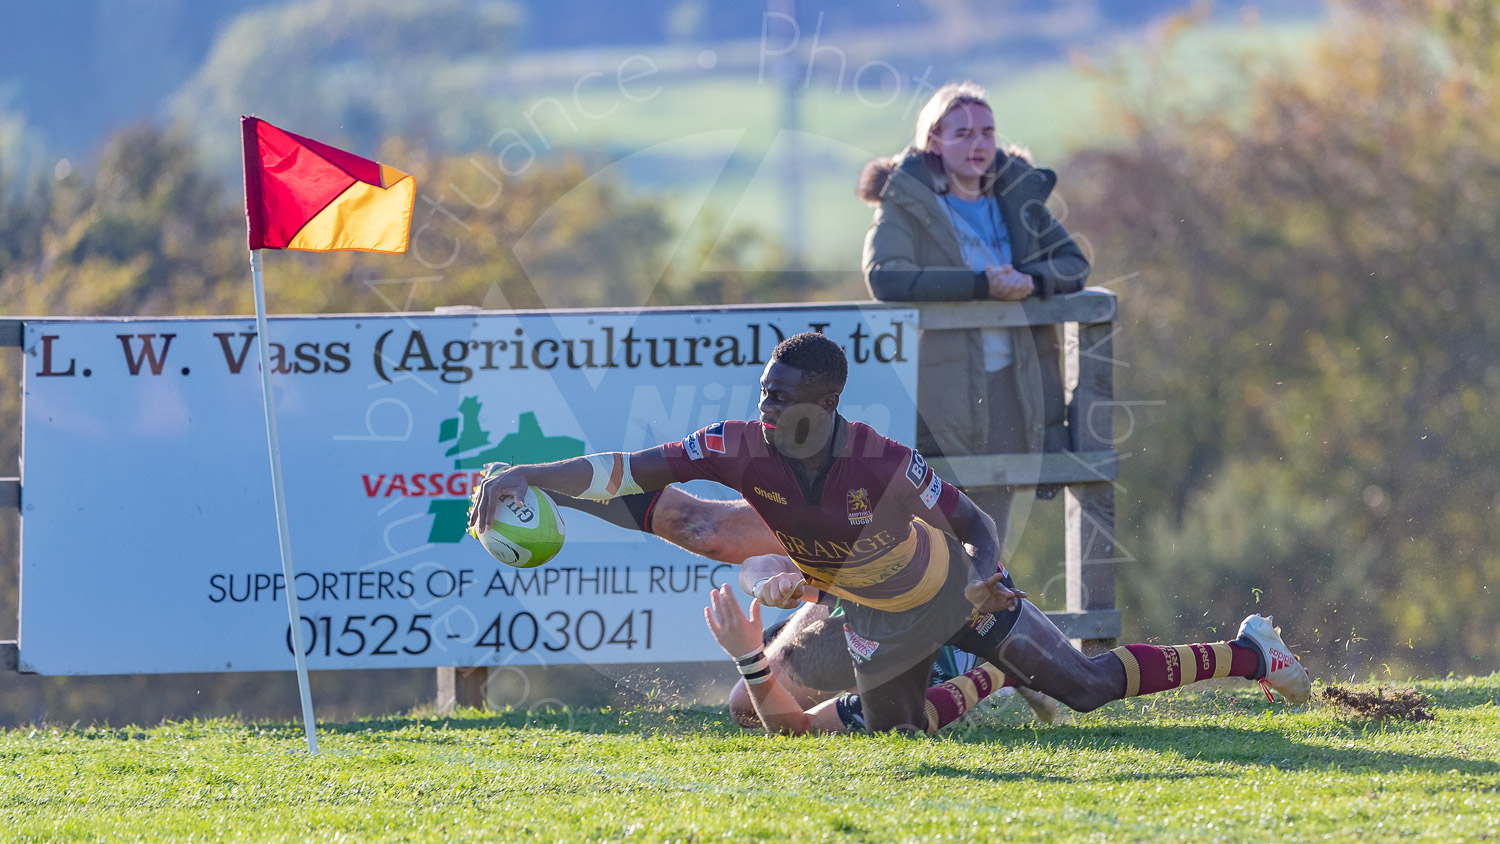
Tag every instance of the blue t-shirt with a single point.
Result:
(981, 232)
(986, 243)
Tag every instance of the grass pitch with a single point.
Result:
(1208, 766)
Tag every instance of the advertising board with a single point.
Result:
(148, 529)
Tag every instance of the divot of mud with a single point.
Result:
(1379, 703)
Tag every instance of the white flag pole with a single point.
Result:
(279, 494)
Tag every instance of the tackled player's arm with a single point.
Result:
(595, 476)
(740, 635)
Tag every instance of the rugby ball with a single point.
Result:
(525, 533)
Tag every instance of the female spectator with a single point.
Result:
(958, 219)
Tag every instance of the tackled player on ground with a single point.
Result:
(806, 651)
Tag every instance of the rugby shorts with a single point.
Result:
(885, 644)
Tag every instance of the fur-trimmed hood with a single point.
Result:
(1011, 164)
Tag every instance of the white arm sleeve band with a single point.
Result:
(612, 477)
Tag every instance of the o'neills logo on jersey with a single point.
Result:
(859, 647)
(859, 507)
(771, 496)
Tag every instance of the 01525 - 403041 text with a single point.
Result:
(521, 631)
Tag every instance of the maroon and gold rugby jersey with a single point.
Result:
(859, 530)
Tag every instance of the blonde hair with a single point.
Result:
(945, 100)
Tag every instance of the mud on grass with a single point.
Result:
(1379, 703)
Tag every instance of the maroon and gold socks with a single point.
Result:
(1156, 668)
(948, 701)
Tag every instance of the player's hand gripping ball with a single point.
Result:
(525, 533)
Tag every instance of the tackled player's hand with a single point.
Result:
(737, 633)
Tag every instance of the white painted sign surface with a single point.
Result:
(148, 531)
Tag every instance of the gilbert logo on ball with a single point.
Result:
(525, 533)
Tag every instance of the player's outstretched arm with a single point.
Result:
(596, 476)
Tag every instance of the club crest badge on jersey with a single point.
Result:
(713, 438)
(859, 507)
(859, 647)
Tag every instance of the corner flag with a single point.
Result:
(305, 195)
(301, 194)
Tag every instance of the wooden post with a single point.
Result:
(461, 687)
(1091, 548)
(1087, 321)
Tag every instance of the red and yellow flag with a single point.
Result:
(301, 194)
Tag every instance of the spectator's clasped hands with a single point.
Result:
(1008, 284)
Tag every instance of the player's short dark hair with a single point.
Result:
(816, 356)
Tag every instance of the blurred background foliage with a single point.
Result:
(1315, 306)
(1304, 259)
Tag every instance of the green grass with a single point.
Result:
(1212, 766)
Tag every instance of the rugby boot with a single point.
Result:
(1282, 670)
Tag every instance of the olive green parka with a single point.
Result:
(912, 254)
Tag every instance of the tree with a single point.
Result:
(351, 73)
(1315, 306)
